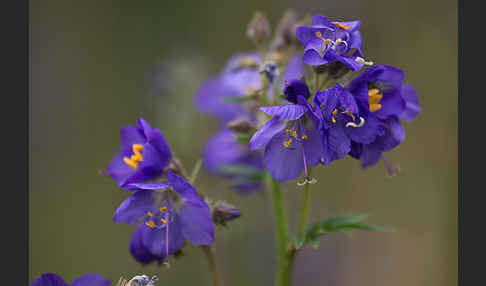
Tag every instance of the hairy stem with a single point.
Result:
(211, 259)
(284, 256)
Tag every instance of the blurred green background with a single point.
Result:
(88, 78)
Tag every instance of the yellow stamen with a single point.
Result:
(318, 34)
(150, 214)
(304, 137)
(150, 224)
(294, 134)
(133, 161)
(334, 112)
(287, 143)
(327, 41)
(163, 220)
(375, 107)
(374, 98)
(162, 209)
(350, 114)
(333, 119)
(342, 26)
(338, 41)
(132, 164)
(288, 131)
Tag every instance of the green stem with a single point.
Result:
(284, 254)
(212, 264)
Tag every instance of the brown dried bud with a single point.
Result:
(285, 33)
(241, 125)
(258, 28)
(224, 212)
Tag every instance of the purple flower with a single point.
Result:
(291, 139)
(170, 212)
(224, 156)
(239, 77)
(52, 279)
(339, 114)
(143, 155)
(327, 41)
(383, 100)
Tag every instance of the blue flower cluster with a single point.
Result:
(301, 105)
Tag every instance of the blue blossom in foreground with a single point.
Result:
(143, 155)
(170, 212)
(327, 41)
(383, 100)
(340, 117)
(52, 279)
(224, 156)
(291, 139)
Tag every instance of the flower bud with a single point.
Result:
(270, 70)
(241, 125)
(258, 28)
(294, 88)
(285, 33)
(224, 212)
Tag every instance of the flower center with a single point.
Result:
(292, 134)
(133, 161)
(374, 98)
(159, 219)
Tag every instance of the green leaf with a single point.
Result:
(343, 224)
(240, 98)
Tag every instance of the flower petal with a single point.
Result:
(130, 135)
(392, 103)
(197, 224)
(395, 134)
(138, 249)
(49, 279)
(183, 188)
(154, 238)
(294, 70)
(287, 111)
(412, 105)
(135, 207)
(118, 170)
(370, 156)
(91, 279)
(151, 166)
(368, 132)
(265, 133)
(283, 163)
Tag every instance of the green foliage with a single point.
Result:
(245, 98)
(335, 224)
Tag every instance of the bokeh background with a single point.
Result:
(98, 65)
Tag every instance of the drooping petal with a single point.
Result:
(197, 224)
(412, 106)
(394, 135)
(283, 163)
(370, 156)
(287, 111)
(356, 150)
(154, 238)
(183, 188)
(135, 207)
(91, 279)
(49, 279)
(265, 133)
(144, 126)
(138, 249)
